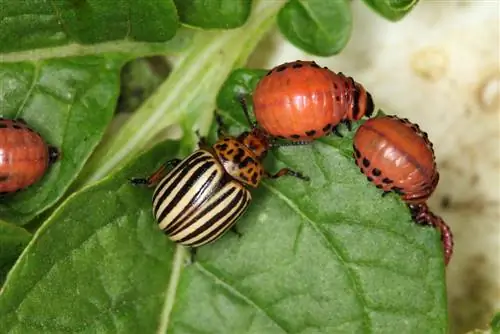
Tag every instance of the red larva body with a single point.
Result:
(24, 156)
(396, 156)
(422, 215)
(302, 101)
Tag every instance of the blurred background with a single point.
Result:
(440, 67)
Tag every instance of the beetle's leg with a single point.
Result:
(243, 102)
(192, 254)
(288, 172)
(235, 231)
(291, 143)
(348, 124)
(336, 132)
(154, 179)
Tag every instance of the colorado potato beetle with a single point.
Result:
(202, 197)
(24, 156)
(396, 156)
(302, 101)
(422, 215)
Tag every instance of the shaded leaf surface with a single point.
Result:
(38, 24)
(393, 10)
(210, 14)
(70, 103)
(328, 256)
(318, 27)
(13, 239)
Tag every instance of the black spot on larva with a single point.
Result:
(295, 136)
(310, 133)
(357, 153)
(227, 139)
(335, 86)
(337, 98)
(3, 126)
(261, 172)
(238, 156)
(366, 162)
(369, 179)
(231, 151)
(327, 128)
(281, 137)
(221, 147)
(4, 178)
(269, 73)
(281, 68)
(254, 178)
(379, 186)
(245, 162)
(2, 193)
(250, 170)
(355, 105)
(313, 64)
(243, 177)
(369, 105)
(376, 172)
(17, 127)
(297, 65)
(386, 180)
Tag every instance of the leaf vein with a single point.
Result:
(238, 293)
(335, 249)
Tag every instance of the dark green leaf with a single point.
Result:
(241, 83)
(393, 10)
(319, 27)
(13, 239)
(495, 323)
(329, 255)
(70, 103)
(100, 261)
(214, 14)
(33, 24)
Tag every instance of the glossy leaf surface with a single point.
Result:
(318, 27)
(393, 10)
(211, 14)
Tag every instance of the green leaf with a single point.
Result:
(241, 82)
(186, 99)
(70, 102)
(214, 14)
(393, 10)
(495, 323)
(13, 239)
(93, 260)
(37, 24)
(330, 255)
(319, 27)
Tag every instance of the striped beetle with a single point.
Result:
(202, 196)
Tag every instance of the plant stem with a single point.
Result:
(189, 92)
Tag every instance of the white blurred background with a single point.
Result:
(440, 67)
